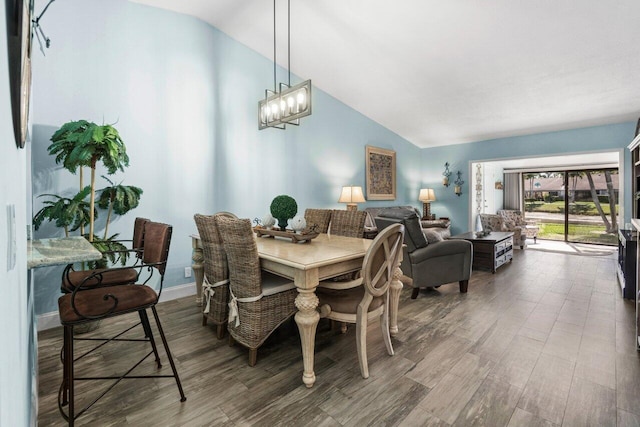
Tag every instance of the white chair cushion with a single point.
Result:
(274, 284)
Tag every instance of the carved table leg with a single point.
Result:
(307, 319)
(197, 266)
(394, 298)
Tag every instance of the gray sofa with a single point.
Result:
(429, 265)
(434, 230)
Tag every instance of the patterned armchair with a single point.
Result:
(492, 222)
(514, 218)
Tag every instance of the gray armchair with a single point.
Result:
(429, 265)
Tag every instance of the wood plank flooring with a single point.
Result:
(547, 340)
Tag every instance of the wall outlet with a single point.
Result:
(187, 272)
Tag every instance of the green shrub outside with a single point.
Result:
(577, 233)
(577, 208)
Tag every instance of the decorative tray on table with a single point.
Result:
(289, 234)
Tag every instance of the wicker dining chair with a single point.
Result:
(215, 287)
(318, 218)
(259, 301)
(87, 303)
(122, 276)
(347, 223)
(367, 297)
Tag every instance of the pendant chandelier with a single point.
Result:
(290, 103)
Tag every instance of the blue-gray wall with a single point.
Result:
(592, 139)
(184, 96)
(18, 355)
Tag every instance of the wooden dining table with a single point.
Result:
(306, 264)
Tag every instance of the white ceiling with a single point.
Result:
(446, 72)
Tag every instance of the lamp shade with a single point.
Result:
(427, 195)
(351, 194)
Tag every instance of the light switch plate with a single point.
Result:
(11, 237)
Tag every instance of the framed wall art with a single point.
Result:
(381, 173)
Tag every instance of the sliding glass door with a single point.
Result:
(592, 206)
(574, 206)
(544, 203)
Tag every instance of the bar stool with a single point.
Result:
(88, 302)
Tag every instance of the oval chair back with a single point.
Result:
(360, 300)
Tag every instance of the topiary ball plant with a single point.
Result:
(283, 208)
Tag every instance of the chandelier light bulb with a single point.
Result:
(301, 99)
(263, 114)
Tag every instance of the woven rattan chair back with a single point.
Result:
(242, 256)
(347, 223)
(318, 218)
(258, 314)
(216, 272)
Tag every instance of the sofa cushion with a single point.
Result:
(432, 235)
(435, 223)
(374, 212)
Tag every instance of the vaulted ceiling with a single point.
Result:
(446, 72)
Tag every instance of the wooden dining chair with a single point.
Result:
(367, 297)
(88, 303)
(317, 219)
(215, 287)
(347, 223)
(259, 301)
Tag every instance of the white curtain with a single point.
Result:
(513, 191)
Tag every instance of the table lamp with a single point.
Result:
(427, 195)
(351, 195)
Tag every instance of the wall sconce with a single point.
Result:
(351, 195)
(458, 182)
(446, 174)
(427, 195)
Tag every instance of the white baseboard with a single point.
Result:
(52, 320)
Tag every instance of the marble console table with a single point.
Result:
(60, 251)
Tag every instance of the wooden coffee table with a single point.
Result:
(491, 251)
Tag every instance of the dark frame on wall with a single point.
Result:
(380, 173)
(18, 16)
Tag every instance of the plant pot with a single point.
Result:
(87, 327)
(282, 223)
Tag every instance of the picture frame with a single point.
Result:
(18, 14)
(380, 173)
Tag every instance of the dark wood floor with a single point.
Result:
(547, 340)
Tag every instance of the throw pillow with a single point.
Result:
(432, 236)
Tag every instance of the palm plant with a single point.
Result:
(82, 143)
(118, 199)
(67, 213)
(76, 145)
